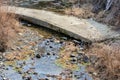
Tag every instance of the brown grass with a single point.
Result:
(8, 28)
(108, 63)
(83, 12)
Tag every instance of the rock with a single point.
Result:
(29, 25)
(38, 56)
(94, 73)
(48, 53)
(20, 34)
(54, 54)
(1, 63)
(81, 48)
(51, 47)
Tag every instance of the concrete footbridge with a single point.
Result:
(83, 29)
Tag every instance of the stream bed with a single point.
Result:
(53, 57)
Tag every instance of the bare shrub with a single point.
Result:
(107, 66)
(8, 27)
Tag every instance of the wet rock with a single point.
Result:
(38, 56)
(54, 54)
(48, 53)
(51, 47)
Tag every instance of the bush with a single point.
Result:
(8, 27)
(107, 65)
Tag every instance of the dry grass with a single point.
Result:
(83, 12)
(8, 28)
(108, 63)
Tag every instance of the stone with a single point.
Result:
(48, 53)
(20, 34)
(38, 56)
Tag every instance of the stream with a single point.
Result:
(48, 62)
(54, 56)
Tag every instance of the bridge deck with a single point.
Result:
(87, 30)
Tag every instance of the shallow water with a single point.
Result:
(43, 65)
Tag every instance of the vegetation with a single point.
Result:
(8, 28)
(105, 11)
(107, 63)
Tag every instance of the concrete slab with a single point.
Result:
(87, 30)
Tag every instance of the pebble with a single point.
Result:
(20, 34)
(29, 25)
(51, 47)
(38, 56)
(94, 73)
(48, 53)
